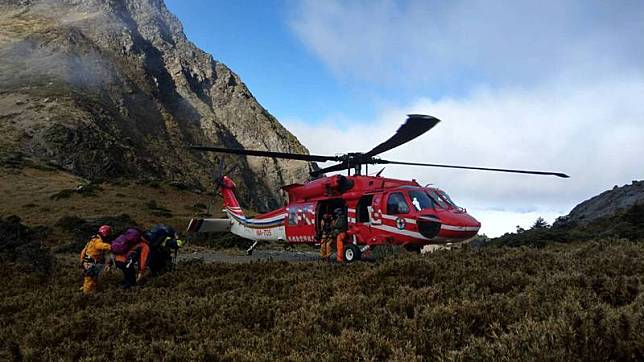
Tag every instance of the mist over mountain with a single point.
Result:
(110, 89)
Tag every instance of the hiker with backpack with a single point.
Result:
(94, 259)
(163, 241)
(131, 250)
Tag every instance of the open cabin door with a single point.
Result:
(362, 220)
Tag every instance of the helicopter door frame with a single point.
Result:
(362, 220)
(328, 205)
(363, 214)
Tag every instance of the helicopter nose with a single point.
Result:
(459, 226)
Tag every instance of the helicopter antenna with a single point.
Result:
(380, 172)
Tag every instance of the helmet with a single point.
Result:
(104, 230)
(338, 211)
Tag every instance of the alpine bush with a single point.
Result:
(577, 301)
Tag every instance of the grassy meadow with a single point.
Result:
(580, 301)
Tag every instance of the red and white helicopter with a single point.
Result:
(380, 210)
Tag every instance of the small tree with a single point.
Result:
(539, 224)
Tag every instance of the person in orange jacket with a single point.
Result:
(138, 254)
(93, 260)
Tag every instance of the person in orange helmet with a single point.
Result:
(94, 259)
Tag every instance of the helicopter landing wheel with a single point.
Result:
(352, 253)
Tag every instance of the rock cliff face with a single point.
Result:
(113, 88)
(607, 204)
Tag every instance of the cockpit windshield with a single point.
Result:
(438, 200)
(446, 197)
(420, 200)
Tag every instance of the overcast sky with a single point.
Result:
(545, 85)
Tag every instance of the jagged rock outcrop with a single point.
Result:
(113, 88)
(607, 204)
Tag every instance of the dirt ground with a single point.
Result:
(239, 256)
(300, 253)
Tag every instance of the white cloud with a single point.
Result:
(548, 85)
(592, 131)
(496, 223)
(420, 42)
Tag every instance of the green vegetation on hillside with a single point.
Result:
(22, 245)
(577, 301)
(627, 224)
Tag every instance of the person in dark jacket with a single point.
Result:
(326, 240)
(340, 227)
(163, 241)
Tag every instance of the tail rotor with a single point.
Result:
(218, 175)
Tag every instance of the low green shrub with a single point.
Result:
(581, 301)
(157, 210)
(218, 241)
(24, 245)
(628, 224)
(82, 229)
(86, 190)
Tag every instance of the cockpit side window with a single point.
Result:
(420, 200)
(396, 204)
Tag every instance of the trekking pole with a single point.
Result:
(174, 261)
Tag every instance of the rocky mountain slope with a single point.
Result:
(113, 88)
(607, 204)
(613, 214)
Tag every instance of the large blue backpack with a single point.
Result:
(157, 235)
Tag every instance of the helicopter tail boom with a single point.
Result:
(227, 191)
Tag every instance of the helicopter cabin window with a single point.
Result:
(420, 200)
(363, 208)
(396, 204)
(292, 216)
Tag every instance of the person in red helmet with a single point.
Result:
(94, 259)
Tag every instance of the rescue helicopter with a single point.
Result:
(379, 210)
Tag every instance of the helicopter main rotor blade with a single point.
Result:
(416, 125)
(285, 155)
(558, 174)
(337, 167)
